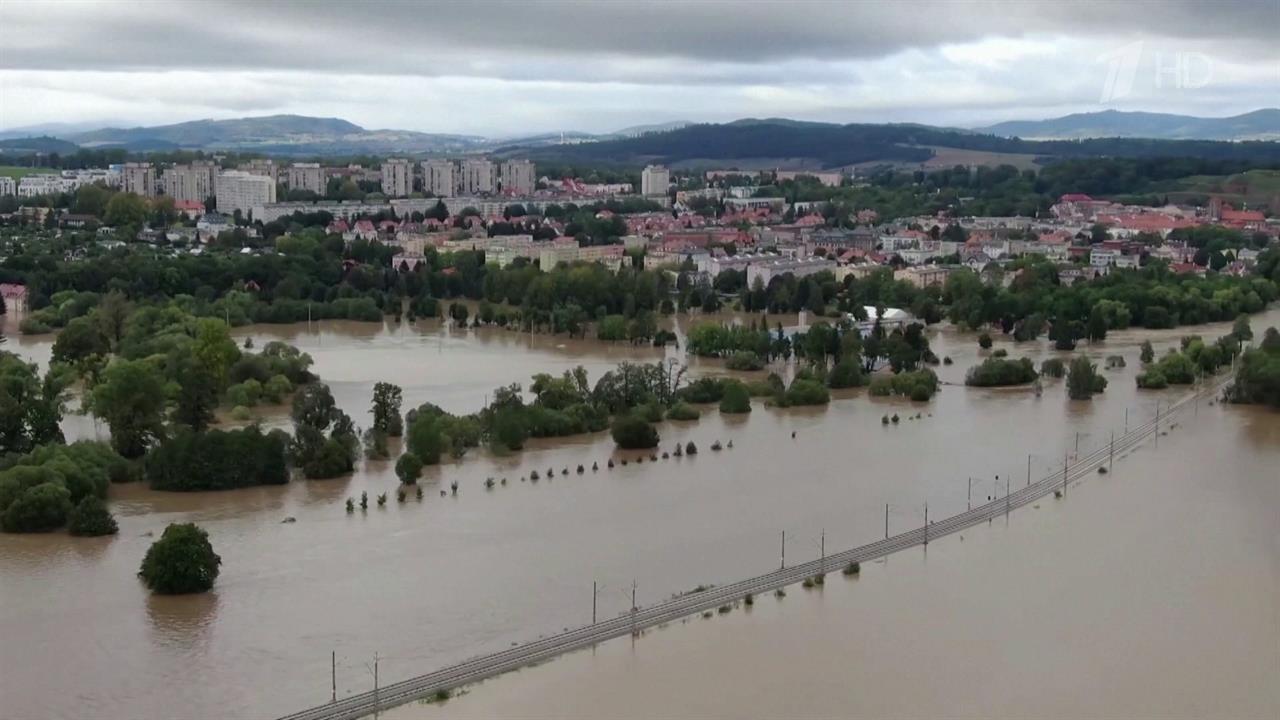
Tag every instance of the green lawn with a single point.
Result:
(17, 172)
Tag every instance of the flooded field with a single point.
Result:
(1149, 592)
(432, 582)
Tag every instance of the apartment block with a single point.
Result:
(478, 177)
(440, 177)
(654, 180)
(306, 176)
(239, 190)
(397, 177)
(140, 179)
(518, 177)
(265, 168)
(196, 182)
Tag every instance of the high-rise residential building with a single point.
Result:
(654, 180)
(264, 167)
(8, 186)
(239, 190)
(478, 177)
(306, 176)
(397, 177)
(518, 177)
(140, 179)
(439, 177)
(196, 182)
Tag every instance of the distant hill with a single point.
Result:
(634, 130)
(278, 134)
(767, 142)
(1257, 125)
(33, 145)
(830, 145)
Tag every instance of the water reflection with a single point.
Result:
(182, 622)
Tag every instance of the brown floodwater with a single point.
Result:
(432, 582)
(1152, 592)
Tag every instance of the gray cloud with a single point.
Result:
(500, 38)
(518, 66)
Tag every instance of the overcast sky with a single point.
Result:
(505, 68)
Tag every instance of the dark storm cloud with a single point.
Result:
(559, 40)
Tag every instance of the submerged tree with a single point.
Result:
(1084, 380)
(181, 561)
(386, 409)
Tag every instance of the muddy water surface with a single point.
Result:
(429, 583)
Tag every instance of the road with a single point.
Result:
(487, 666)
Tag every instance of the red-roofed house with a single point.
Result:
(193, 209)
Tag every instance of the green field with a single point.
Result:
(1254, 187)
(14, 171)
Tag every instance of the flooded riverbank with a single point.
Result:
(1148, 592)
(430, 583)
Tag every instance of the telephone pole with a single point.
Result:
(595, 592)
(1066, 461)
(333, 674)
(822, 548)
(784, 551)
(969, 499)
(633, 609)
(1111, 455)
(1028, 470)
(926, 525)
(886, 521)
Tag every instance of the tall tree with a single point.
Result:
(130, 399)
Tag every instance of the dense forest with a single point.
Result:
(838, 145)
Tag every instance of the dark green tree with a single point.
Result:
(182, 561)
(632, 432)
(91, 518)
(130, 399)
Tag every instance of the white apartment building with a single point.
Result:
(196, 182)
(478, 177)
(140, 179)
(43, 184)
(766, 271)
(440, 178)
(518, 177)
(8, 186)
(239, 190)
(397, 177)
(306, 176)
(654, 180)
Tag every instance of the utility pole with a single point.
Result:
(1157, 436)
(333, 674)
(995, 494)
(1066, 461)
(1077, 442)
(633, 609)
(1126, 421)
(784, 551)
(1111, 456)
(969, 499)
(926, 524)
(375, 682)
(594, 594)
(1006, 498)
(822, 547)
(886, 521)
(1028, 471)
